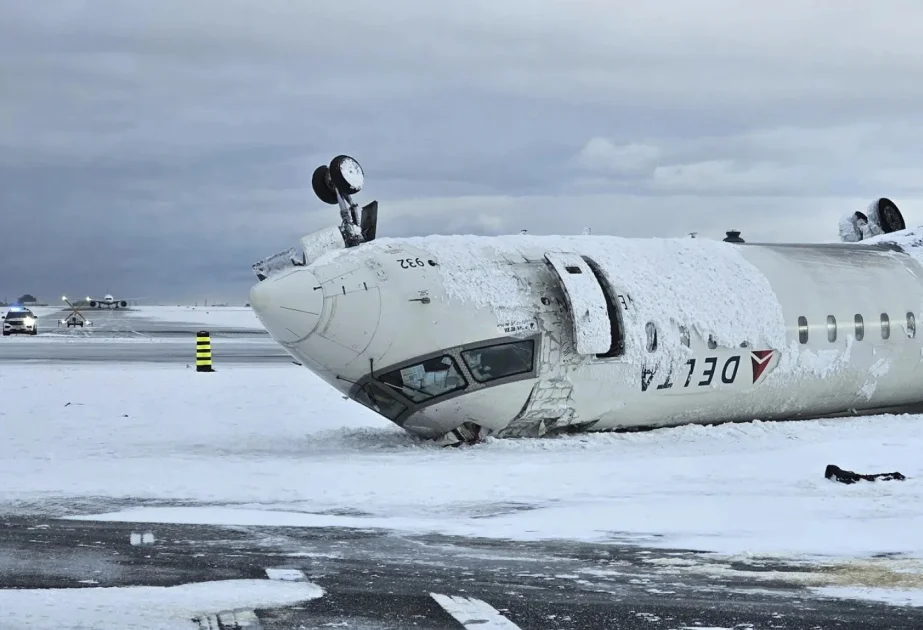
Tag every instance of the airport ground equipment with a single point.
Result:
(75, 317)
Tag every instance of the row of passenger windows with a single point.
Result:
(858, 327)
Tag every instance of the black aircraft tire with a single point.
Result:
(889, 217)
(351, 182)
(322, 189)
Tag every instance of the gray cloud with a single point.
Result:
(161, 148)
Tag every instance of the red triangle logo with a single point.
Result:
(760, 360)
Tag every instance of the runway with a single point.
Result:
(127, 336)
(375, 579)
(119, 322)
(41, 349)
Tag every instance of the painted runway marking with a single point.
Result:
(474, 613)
(230, 620)
(147, 538)
(288, 575)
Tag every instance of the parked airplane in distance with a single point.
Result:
(459, 337)
(107, 301)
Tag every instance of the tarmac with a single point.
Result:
(375, 579)
(116, 336)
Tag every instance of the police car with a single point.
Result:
(18, 321)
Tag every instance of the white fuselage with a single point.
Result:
(624, 333)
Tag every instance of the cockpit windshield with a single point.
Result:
(374, 398)
(425, 380)
(494, 362)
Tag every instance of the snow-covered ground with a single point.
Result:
(273, 445)
(143, 607)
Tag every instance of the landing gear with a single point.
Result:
(881, 217)
(467, 434)
(336, 183)
(885, 213)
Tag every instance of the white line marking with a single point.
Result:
(288, 575)
(247, 619)
(474, 613)
(147, 538)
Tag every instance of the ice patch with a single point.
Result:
(288, 575)
(896, 597)
(144, 607)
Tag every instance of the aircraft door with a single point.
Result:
(586, 301)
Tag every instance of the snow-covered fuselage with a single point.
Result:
(529, 335)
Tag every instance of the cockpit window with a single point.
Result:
(422, 381)
(493, 362)
(372, 397)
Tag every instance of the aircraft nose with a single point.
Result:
(287, 305)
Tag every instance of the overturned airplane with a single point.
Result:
(459, 337)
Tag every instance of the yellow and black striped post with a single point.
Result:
(203, 352)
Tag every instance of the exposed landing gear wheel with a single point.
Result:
(346, 175)
(889, 217)
(885, 214)
(322, 185)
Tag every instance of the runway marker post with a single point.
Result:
(203, 352)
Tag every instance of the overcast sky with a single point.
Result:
(159, 148)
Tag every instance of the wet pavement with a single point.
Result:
(378, 579)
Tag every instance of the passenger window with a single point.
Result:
(803, 329)
(651, 331)
(860, 327)
(684, 336)
(712, 344)
(422, 381)
(831, 328)
(885, 326)
(911, 325)
(493, 362)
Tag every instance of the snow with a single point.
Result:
(219, 316)
(144, 607)
(707, 286)
(352, 173)
(910, 240)
(288, 575)
(593, 334)
(897, 597)
(274, 445)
